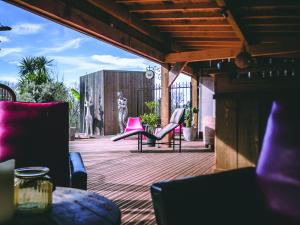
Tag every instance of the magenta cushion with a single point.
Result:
(36, 134)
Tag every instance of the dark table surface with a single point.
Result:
(74, 207)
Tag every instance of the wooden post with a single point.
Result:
(195, 100)
(165, 98)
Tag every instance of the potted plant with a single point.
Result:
(74, 105)
(150, 120)
(189, 132)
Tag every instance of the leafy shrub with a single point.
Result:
(188, 117)
(46, 92)
(151, 118)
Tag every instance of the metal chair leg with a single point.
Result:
(173, 141)
(141, 142)
(180, 132)
(138, 142)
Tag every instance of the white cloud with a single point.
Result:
(114, 62)
(9, 51)
(14, 62)
(78, 65)
(72, 67)
(4, 39)
(9, 78)
(71, 44)
(26, 28)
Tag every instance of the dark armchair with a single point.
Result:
(36, 134)
(268, 194)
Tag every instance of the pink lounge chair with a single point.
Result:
(175, 121)
(177, 129)
(134, 124)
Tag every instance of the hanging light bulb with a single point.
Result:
(270, 71)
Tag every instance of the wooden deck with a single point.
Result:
(119, 172)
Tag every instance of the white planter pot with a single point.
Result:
(189, 133)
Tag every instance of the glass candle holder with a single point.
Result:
(33, 190)
(6, 190)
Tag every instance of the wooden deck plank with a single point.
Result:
(119, 172)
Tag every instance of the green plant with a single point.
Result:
(188, 117)
(75, 94)
(74, 108)
(46, 92)
(34, 69)
(36, 84)
(151, 105)
(150, 118)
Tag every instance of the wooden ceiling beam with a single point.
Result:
(196, 29)
(182, 16)
(203, 44)
(211, 39)
(199, 34)
(274, 16)
(191, 23)
(175, 71)
(261, 29)
(202, 55)
(249, 3)
(231, 20)
(273, 50)
(134, 21)
(188, 70)
(140, 1)
(280, 38)
(213, 54)
(276, 12)
(175, 7)
(271, 25)
(269, 22)
(125, 16)
(271, 7)
(74, 18)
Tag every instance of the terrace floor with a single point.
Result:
(119, 172)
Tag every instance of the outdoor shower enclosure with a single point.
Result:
(98, 91)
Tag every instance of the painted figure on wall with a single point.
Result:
(98, 120)
(123, 111)
(88, 116)
(101, 114)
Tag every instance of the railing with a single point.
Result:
(6, 93)
(181, 96)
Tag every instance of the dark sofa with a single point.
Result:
(266, 195)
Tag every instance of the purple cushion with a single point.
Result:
(36, 134)
(278, 169)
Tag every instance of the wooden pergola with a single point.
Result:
(180, 34)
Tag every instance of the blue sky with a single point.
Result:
(74, 54)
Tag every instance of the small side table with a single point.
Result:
(74, 207)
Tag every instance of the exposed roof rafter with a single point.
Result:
(175, 71)
(231, 20)
(127, 17)
(171, 7)
(171, 31)
(223, 53)
(69, 16)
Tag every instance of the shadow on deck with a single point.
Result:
(119, 172)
